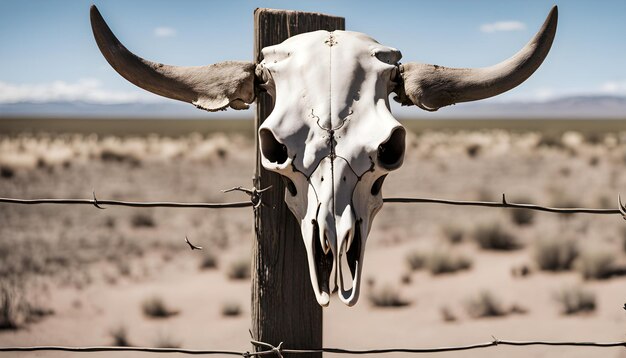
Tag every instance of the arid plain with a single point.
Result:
(434, 275)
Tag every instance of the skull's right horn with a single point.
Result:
(431, 87)
(212, 88)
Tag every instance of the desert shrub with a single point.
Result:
(493, 236)
(119, 336)
(406, 279)
(6, 172)
(9, 309)
(155, 307)
(596, 263)
(517, 309)
(110, 222)
(442, 261)
(454, 234)
(447, 315)
(110, 155)
(520, 271)
(438, 261)
(16, 309)
(473, 150)
(231, 309)
(165, 340)
(142, 220)
(209, 259)
(575, 300)
(416, 260)
(239, 269)
(550, 139)
(555, 254)
(522, 217)
(484, 304)
(386, 296)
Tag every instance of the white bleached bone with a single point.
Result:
(331, 133)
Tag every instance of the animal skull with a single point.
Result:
(331, 134)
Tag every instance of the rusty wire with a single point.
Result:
(621, 209)
(279, 350)
(255, 202)
(255, 199)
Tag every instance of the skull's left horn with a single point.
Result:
(431, 87)
(212, 88)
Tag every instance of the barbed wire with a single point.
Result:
(255, 202)
(279, 350)
(621, 209)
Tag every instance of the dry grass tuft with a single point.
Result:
(556, 254)
(155, 307)
(454, 234)
(522, 217)
(438, 261)
(596, 263)
(119, 335)
(447, 315)
(142, 220)
(209, 259)
(239, 269)
(165, 340)
(575, 300)
(416, 260)
(386, 296)
(231, 309)
(485, 304)
(493, 236)
(443, 260)
(16, 309)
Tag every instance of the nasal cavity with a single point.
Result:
(271, 148)
(391, 151)
(378, 184)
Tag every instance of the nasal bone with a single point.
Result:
(334, 183)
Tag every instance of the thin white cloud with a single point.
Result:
(164, 31)
(544, 94)
(503, 26)
(614, 87)
(85, 90)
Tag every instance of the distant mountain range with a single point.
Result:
(566, 107)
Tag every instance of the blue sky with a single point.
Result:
(48, 51)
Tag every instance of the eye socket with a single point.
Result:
(378, 184)
(272, 149)
(391, 152)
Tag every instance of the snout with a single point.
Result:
(334, 235)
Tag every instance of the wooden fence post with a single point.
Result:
(284, 308)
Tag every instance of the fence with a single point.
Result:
(278, 350)
(254, 202)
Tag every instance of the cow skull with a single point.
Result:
(331, 134)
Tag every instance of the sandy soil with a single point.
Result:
(95, 268)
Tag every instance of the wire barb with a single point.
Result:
(192, 246)
(278, 350)
(506, 204)
(136, 204)
(256, 202)
(95, 201)
(621, 207)
(254, 193)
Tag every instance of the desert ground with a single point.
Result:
(433, 275)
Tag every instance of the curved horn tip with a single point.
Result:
(431, 87)
(94, 12)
